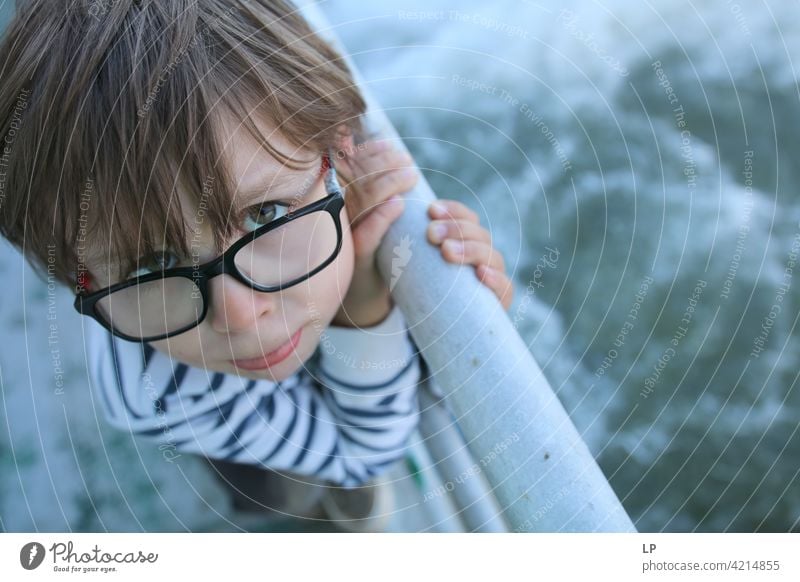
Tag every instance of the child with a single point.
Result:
(176, 164)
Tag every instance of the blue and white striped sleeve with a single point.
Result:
(344, 420)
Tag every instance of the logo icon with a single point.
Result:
(31, 555)
(402, 256)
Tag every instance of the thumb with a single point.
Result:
(369, 231)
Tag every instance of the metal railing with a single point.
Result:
(539, 469)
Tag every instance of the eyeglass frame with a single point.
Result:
(85, 303)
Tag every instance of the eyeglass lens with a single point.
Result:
(278, 257)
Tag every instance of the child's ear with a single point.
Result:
(86, 280)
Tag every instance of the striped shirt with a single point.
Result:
(345, 416)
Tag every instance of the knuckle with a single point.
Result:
(368, 188)
(447, 205)
(483, 235)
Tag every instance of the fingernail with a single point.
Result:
(454, 246)
(438, 208)
(438, 231)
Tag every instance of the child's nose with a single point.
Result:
(235, 307)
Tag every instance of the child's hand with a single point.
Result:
(372, 172)
(456, 227)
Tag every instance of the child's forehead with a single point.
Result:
(250, 164)
(254, 172)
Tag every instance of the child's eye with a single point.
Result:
(158, 261)
(261, 214)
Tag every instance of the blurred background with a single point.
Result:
(635, 163)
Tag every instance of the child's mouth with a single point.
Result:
(271, 358)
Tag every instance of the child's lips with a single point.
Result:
(272, 358)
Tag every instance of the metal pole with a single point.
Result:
(543, 474)
(441, 510)
(462, 474)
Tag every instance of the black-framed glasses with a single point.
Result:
(282, 253)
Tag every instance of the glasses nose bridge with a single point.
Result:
(216, 267)
(224, 265)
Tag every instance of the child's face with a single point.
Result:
(243, 324)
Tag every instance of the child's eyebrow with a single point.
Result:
(266, 184)
(273, 187)
(270, 188)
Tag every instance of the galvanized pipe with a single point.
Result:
(543, 474)
(463, 476)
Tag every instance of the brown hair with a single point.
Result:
(106, 106)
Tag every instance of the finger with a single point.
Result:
(380, 189)
(345, 142)
(350, 153)
(452, 209)
(439, 230)
(473, 253)
(368, 148)
(368, 232)
(373, 146)
(498, 282)
(376, 163)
